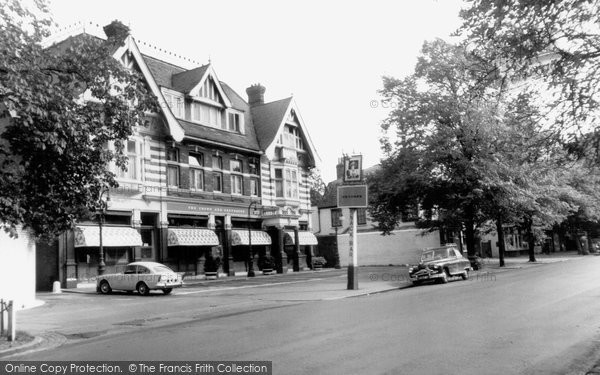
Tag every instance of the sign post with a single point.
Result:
(353, 197)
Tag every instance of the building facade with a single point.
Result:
(210, 176)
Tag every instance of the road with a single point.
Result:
(540, 320)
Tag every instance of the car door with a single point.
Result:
(145, 275)
(128, 278)
(453, 262)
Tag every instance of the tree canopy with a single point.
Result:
(61, 106)
(555, 41)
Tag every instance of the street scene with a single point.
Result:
(304, 323)
(278, 187)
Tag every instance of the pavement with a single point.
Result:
(326, 284)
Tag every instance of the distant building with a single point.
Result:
(402, 246)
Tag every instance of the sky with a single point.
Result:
(330, 55)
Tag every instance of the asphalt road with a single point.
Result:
(544, 319)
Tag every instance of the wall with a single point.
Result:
(401, 247)
(17, 269)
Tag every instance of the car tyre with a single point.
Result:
(444, 278)
(465, 275)
(143, 289)
(167, 290)
(105, 287)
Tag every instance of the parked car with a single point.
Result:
(440, 264)
(140, 276)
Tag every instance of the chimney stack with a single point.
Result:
(256, 94)
(117, 31)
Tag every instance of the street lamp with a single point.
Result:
(250, 257)
(101, 216)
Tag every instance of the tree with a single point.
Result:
(52, 149)
(443, 116)
(317, 187)
(555, 41)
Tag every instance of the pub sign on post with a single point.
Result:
(352, 196)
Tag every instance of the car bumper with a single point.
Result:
(169, 285)
(427, 276)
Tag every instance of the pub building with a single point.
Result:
(203, 173)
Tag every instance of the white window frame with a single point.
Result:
(289, 182)
(134, 160)
(194, 174)
(237, 184)
(175, 102)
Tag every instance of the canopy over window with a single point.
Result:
(89, 236)
(240, 237)
(304, 238)
(191, 237)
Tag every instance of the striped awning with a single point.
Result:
(240, 237)
(89, 236)
(191, 237)
(304, 238)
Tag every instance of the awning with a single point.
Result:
(305, 238)
(89, 236)
(191, 237)
(240, 237)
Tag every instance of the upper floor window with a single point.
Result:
(254, 187)
(173, 155)
(292, 138)
(286, 183)
(217, 162)
(236, 166)
(206, 114)
(336, 214)
(234, 122)
(253, 166)
(196, 160)
(175, 103)
(209, 90)
(132, 170)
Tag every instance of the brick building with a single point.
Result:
(203, 173)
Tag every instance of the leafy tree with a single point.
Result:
(52, 149)
(442, 117)
(555, 41)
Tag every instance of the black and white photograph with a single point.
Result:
(300, 187)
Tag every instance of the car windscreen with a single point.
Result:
(436, 254)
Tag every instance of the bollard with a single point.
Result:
(56, 287)
(11, 321)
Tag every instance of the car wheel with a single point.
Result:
(142, 289)
(444, 278)
(465, 275)
(167, 290)
(105, 287)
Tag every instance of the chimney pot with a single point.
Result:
(256, 94)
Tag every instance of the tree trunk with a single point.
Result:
(530, 239)
(575, 235)
(470, 234)
(501, 247)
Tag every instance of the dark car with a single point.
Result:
(440, 264)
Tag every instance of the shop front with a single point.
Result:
(189, 248)
(304, 251)
(249, 248)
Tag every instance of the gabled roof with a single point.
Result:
(269, 117)
(187, 80)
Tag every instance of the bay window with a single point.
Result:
(286, 183)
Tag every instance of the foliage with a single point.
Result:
(317, 187)
(557, 42)
(65, 102)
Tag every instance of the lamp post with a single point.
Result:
(101, 216)
(250, 256)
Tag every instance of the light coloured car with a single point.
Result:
(140, 276)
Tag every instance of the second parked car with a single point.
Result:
(440, 264)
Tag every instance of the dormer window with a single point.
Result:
(235, 121)
(175, 102)
(209, 90)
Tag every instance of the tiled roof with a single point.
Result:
(267, 119)
(209, 133)
(162, 71)
(187, 80)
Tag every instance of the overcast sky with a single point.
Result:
(330, 55)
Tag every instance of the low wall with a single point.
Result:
(17, 269)
(400, 247)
